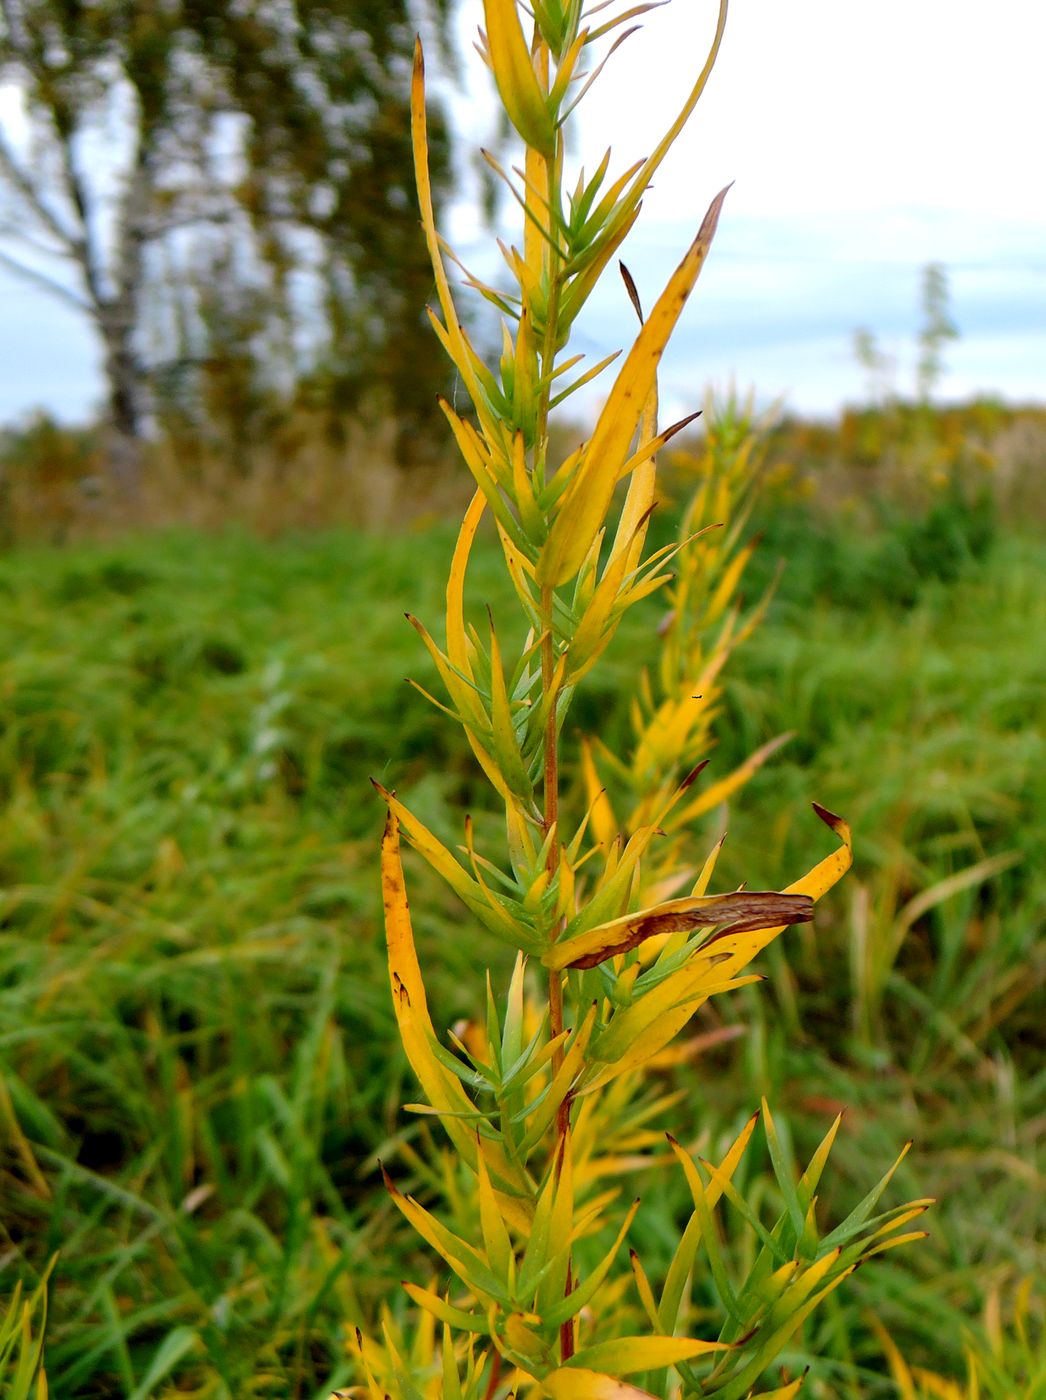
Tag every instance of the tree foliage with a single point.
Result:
(270, 141)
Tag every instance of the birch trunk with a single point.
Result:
(118, 317)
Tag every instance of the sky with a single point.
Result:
(863, 141)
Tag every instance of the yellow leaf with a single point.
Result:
(464, 357)
(639, 1031)
(669, 732)
(624, 1355)
(783, 1392)
(442, 1088)
(812, 1277)
(830, 870)
(604, 823)
(719, 792)
(524, 102)
(646, 1293)
(743, 947)
(631, 528)
(587, 498)
(468, 1263)
(525, 1342)
(480, 462)
(723, 1173)
(444, 1311)
(596, 628)
(492, 1223)
(910, 1238)
(573, 1383)
(457, 644)
(465, 887)
(522, 486)
(369, 1357)
(708, 869)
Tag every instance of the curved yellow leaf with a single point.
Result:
(443, 1089)
(639, 1032)
(464, 357)
(587, 498)
(457, 642)
(743, 947)
(744, 910)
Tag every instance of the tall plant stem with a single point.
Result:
(551, 810)
(555, 979)
(551, 258)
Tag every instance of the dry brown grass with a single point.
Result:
(304, 474)
(300, 477)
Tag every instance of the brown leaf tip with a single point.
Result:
(670, 433)
(711, 219)
(691, 777)
(829, 818)
(630, 288)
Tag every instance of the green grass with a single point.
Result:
(195, 1044)
(194, 1025)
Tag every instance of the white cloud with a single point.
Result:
(834, 105)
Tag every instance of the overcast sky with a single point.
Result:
(863, 139)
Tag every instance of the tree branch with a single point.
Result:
(35, 245)
(84, 249)
(23, 184)
(47, 284)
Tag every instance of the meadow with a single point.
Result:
(200, 1066)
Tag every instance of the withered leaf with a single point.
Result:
(742, 912)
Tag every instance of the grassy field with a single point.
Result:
(199, 1067)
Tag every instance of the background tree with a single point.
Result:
(936, 330)
(281, 130)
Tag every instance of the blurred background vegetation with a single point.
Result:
(202, 661)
